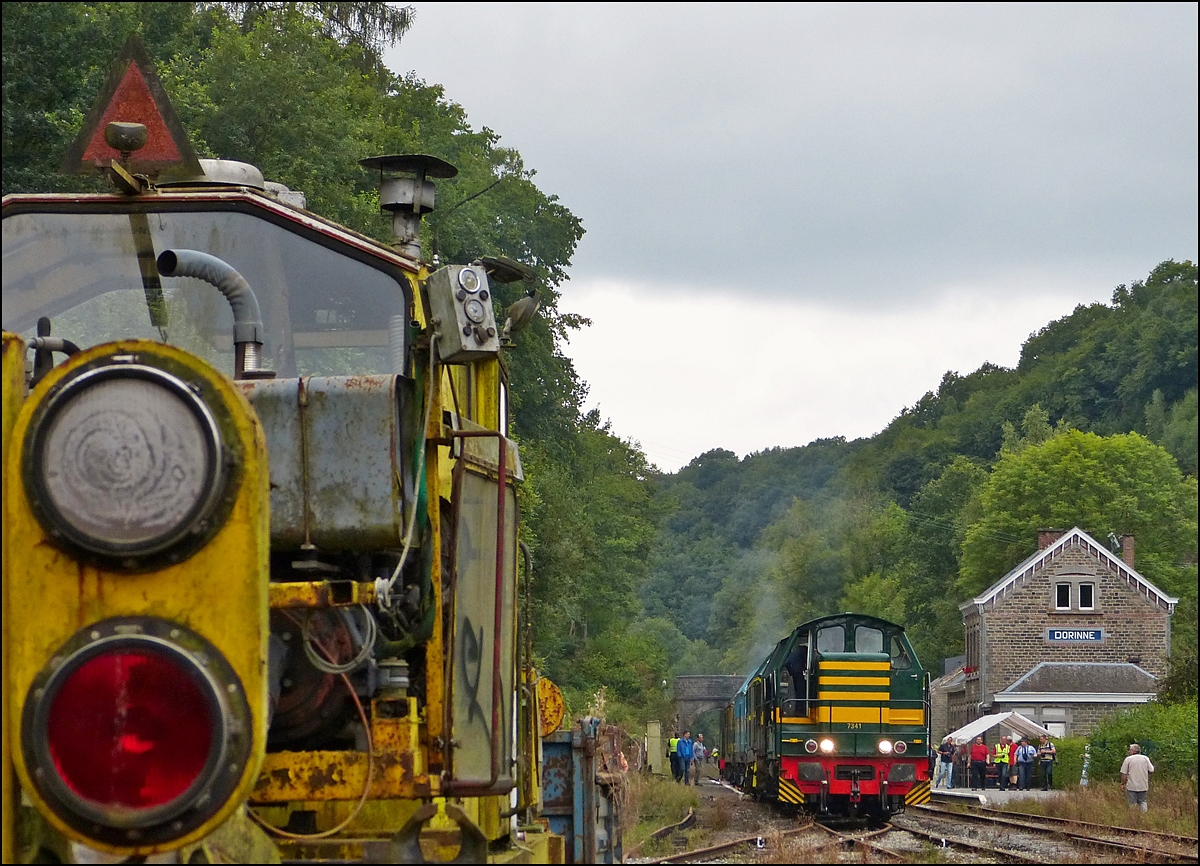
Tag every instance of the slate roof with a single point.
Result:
(1075, 538)
(1092, 677)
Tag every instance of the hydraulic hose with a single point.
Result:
(247, 317)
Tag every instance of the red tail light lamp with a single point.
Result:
(136, 732)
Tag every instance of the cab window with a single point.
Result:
(900, 659)
(324, 312)
(868, 640)
(831, 639)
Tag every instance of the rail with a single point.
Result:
(1059, 827)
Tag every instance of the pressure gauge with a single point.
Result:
(475, 310)
(469, 280)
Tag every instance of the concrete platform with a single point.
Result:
(992, 796)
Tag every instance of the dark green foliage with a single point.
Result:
(1166, 733)
(1068, 765)
(915, 519)
(640, 576)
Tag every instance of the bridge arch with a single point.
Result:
(695, 695)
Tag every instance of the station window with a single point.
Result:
(1087, 596)
(1062, 596)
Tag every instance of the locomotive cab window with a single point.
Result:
(900, 659)
(1062, 596)
(325, 312)
(868, 640)
(831, 639)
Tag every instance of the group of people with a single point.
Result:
(686, 756)
(1014, 763)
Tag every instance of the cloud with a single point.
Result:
(854, 155)
(684, 374)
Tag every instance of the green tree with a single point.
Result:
(1123, 484)
(1179, 433)
(876, 595)
(937, 526)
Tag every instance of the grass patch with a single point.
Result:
(653, 802)
(1173, 806)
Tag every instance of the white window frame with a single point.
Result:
(1091, 606)
(1057, 587)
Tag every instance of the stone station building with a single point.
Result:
(1067, 637)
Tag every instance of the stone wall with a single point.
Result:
(1014, 625)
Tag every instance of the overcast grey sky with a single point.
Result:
(799, 217)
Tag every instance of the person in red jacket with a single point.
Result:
(979, 759)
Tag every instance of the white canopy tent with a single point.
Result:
(1013, 723)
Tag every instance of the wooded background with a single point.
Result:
(641, 575)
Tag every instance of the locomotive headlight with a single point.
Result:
(469, 280)
(827, 746)
(901, 747)
(885, 747)
(137, 731)
(810, 746)
(124, 463)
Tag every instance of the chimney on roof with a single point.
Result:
(1047, 537)
(1127, 549)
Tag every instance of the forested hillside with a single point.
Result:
(639, 576)
(1095, 427)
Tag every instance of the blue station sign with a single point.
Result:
(1075, 635)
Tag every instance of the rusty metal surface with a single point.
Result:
(551, 707)
(321, 594)
(323, 491)
(400, 764)
(292, 776)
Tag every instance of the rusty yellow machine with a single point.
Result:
(261, 550)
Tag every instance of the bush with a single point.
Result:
(1069, 765)
(1166, 733)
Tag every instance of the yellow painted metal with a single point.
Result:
(321, 593)
(855, 681)
(551, 707)
(918, 794)
(855, 666)
(399, 770)
(853, 696)
(219, 592)
(908, 717)
(13, 396)
(852, 715)
(486, 380)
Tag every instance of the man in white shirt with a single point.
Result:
(1135, 777)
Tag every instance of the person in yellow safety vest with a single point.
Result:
(1001, 759)
(673, 755)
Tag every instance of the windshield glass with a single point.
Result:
(324, 313)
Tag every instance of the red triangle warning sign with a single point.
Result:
(132, 93)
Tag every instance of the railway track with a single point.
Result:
(862, 842)
(1166, 840)
(1095, 837)
(977, 834)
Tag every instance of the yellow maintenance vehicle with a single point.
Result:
(262, 557)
